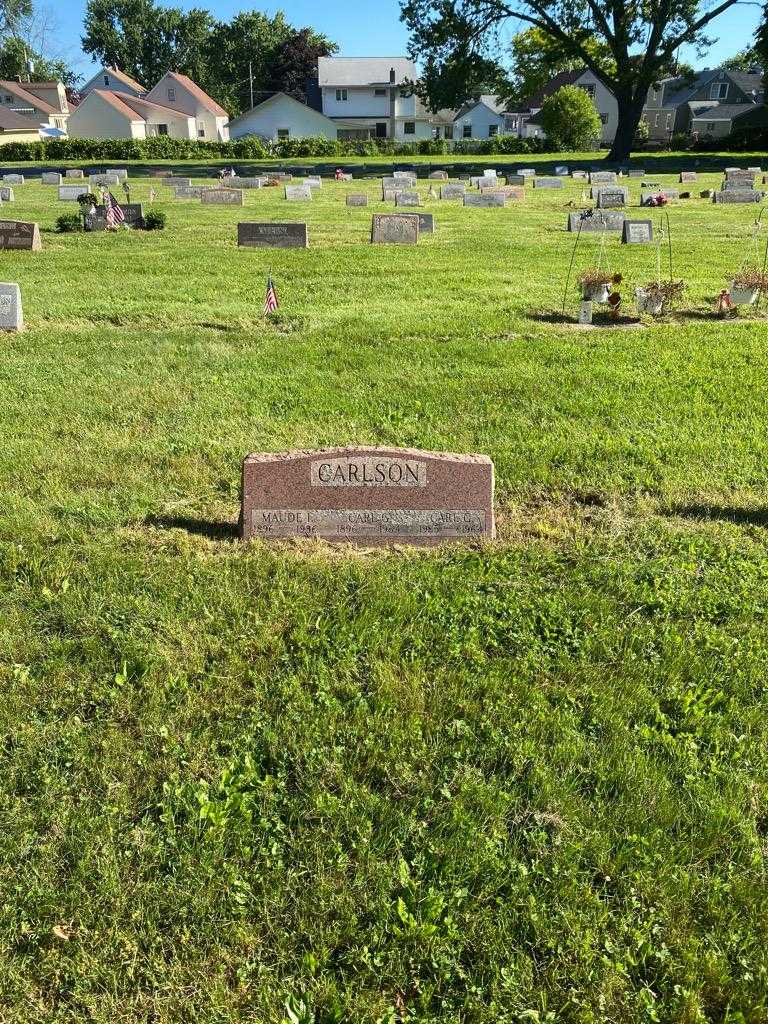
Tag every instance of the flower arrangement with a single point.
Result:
(655, 296)
(595, 284)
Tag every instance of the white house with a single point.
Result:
(371, 96)
(106, 115)
(481, 118)
(182, 94)
(114, 80)
(282, 117)
(43, 103)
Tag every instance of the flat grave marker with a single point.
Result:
(368, 496)
(273, 236)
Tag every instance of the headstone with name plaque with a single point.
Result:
(526, 172)
(71, 193)
(610, 197)
(602, 178)
(222, 197)
(426, 223)
(103, 179)
(174, 182)
(133, 213)
(120, 172)
(368, 496)
(738, 195)
(297, 193)
(688, 177)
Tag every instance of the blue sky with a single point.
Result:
(372, 27)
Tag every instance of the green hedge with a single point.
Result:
(165, 148)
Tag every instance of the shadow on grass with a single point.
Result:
(212, 530)
(739, 516)
(555, 317)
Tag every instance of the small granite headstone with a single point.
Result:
(222, 196)
(426, 222)
(357, 200)
(175, 182)
(439, 175)
(579, 175)
(688, 177)
(133, 213)
(526, 172)
(407, 199)
(398, 183)
(452, 191)
(610, 197)
(637, 232)
(71, 193)
(490, 172)
(191, 191)
(636, 173)
(404, 175)
(647, 197)
(103, 179)
(483, 199)
(120, 172)
(516, 179)
(313, 183)
(508, 191)
(597, 220)
(13, 179)
(368, 496)
(602, 178)
(11, 315)
(738, 195)
(7, 194)
(548, 183)
(295, 193)
(17, 234)
(272, 236)
(74, 173)
(395, 228)
(50, 178)
(238, 182)
(561, 170)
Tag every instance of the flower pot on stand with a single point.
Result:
(596, 293)
(649, 302)
(743, 296)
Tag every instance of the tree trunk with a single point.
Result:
(630, 112)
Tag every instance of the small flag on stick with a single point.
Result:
(113, 214)
(270, 302)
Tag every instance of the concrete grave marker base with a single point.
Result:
(368, 496)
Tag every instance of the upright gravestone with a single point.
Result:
(452, 191)
(561, 170)
(222, 197)
(438, 175)
(17, 234)
(238, 182)
(13, 179)
(636, 172)
(579, 175)
(133, 213)
(120, 173)
(404, 175)
(395, 228)
(602, 177)
(357, 200)
(647, 197)
(313, 183)
(191, 191)
(596, 220)
(473, 199)
(368, 496)
(426, 223)
(50, 178)
(547, 183)
(7, 194)
(738, 195)
(11, 316)
(507, 191)
(637, 232)
(175, 182)
(610, 197)
(295, 193)
(272, 236)
(103, 179)
(74, 172)
(688, 177)
(407, 199)
(71, 193)
(526, 172)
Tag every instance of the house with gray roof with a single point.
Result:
(711, 103)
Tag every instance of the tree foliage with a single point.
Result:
(14, 54)
(570, 120)
(146, 40)
(627, 44)
(536, 57)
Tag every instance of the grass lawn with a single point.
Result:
(522, 782)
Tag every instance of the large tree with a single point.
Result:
(636, 42)
(16, 52)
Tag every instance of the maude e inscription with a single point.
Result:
(368, 496)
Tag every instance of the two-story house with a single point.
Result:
(180, 93)
(115, 81)
(709, 103)
(370, 95)
(44, 104)
(524, 120)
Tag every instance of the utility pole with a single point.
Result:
(250, 76)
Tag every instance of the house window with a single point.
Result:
(718, 91)
(379, 92)
(201, 132)
(467, 131)
(172, 95)
(589, 90)
(409, 127)
(669, 121)
(656, 121)
(283, 133)
(493, 129)
(341, 95)
(106, 79)
(448, 131)
(162, 129)
(510, 123)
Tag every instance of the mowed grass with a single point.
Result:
(518, 782)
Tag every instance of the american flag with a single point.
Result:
(114, 213)
(270, 302)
